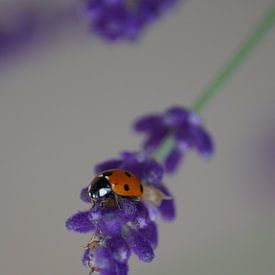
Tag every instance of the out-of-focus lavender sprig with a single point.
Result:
(186, 129)
(123, 19)
(17, 26)
(27, 24)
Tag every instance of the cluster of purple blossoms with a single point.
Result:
(130, 228)
(184, 126)
(123, 19)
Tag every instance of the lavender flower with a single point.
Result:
(118, 232)
(186, 128)
(123, 19)
(130, 227)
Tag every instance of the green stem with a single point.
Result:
(235, 61)
(224, 74)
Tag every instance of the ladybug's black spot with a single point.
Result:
(126, 187)
(128, 174)
(107, 174)
(141, 188)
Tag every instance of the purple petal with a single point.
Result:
(152, 211)
(143, 218)
(80, 223)
(106, 165)
(175, 115)
(167, 207)
(185, 136)
(152, 173)
(119, 249)
(150, 232)
(148, 123)
(104, 260)
(205, 144)
(129, 209)
(122, 268)
(138, 243)
(173, 160)
(84, 196)
(154, 140)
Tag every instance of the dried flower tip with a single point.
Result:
(153, 195)
(95, 242)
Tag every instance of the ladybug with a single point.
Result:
(115, 184)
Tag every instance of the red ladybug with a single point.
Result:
(115, 183)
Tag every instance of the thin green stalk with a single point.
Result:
(235, 61)
(224, 74)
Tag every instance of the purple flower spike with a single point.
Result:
(139, 244)
(123, 20)
(129, 227)
(124, 224)
(187, 130)
(80, 223)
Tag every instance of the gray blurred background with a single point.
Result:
(69, 104)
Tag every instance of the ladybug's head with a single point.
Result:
(100, 188)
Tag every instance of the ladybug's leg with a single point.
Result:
(117, 201)
(93, 203)
(102, 204)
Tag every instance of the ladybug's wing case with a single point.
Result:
(124, 183)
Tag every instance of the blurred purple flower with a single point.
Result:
(123, 19)
(17, 25)
(186, 128)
